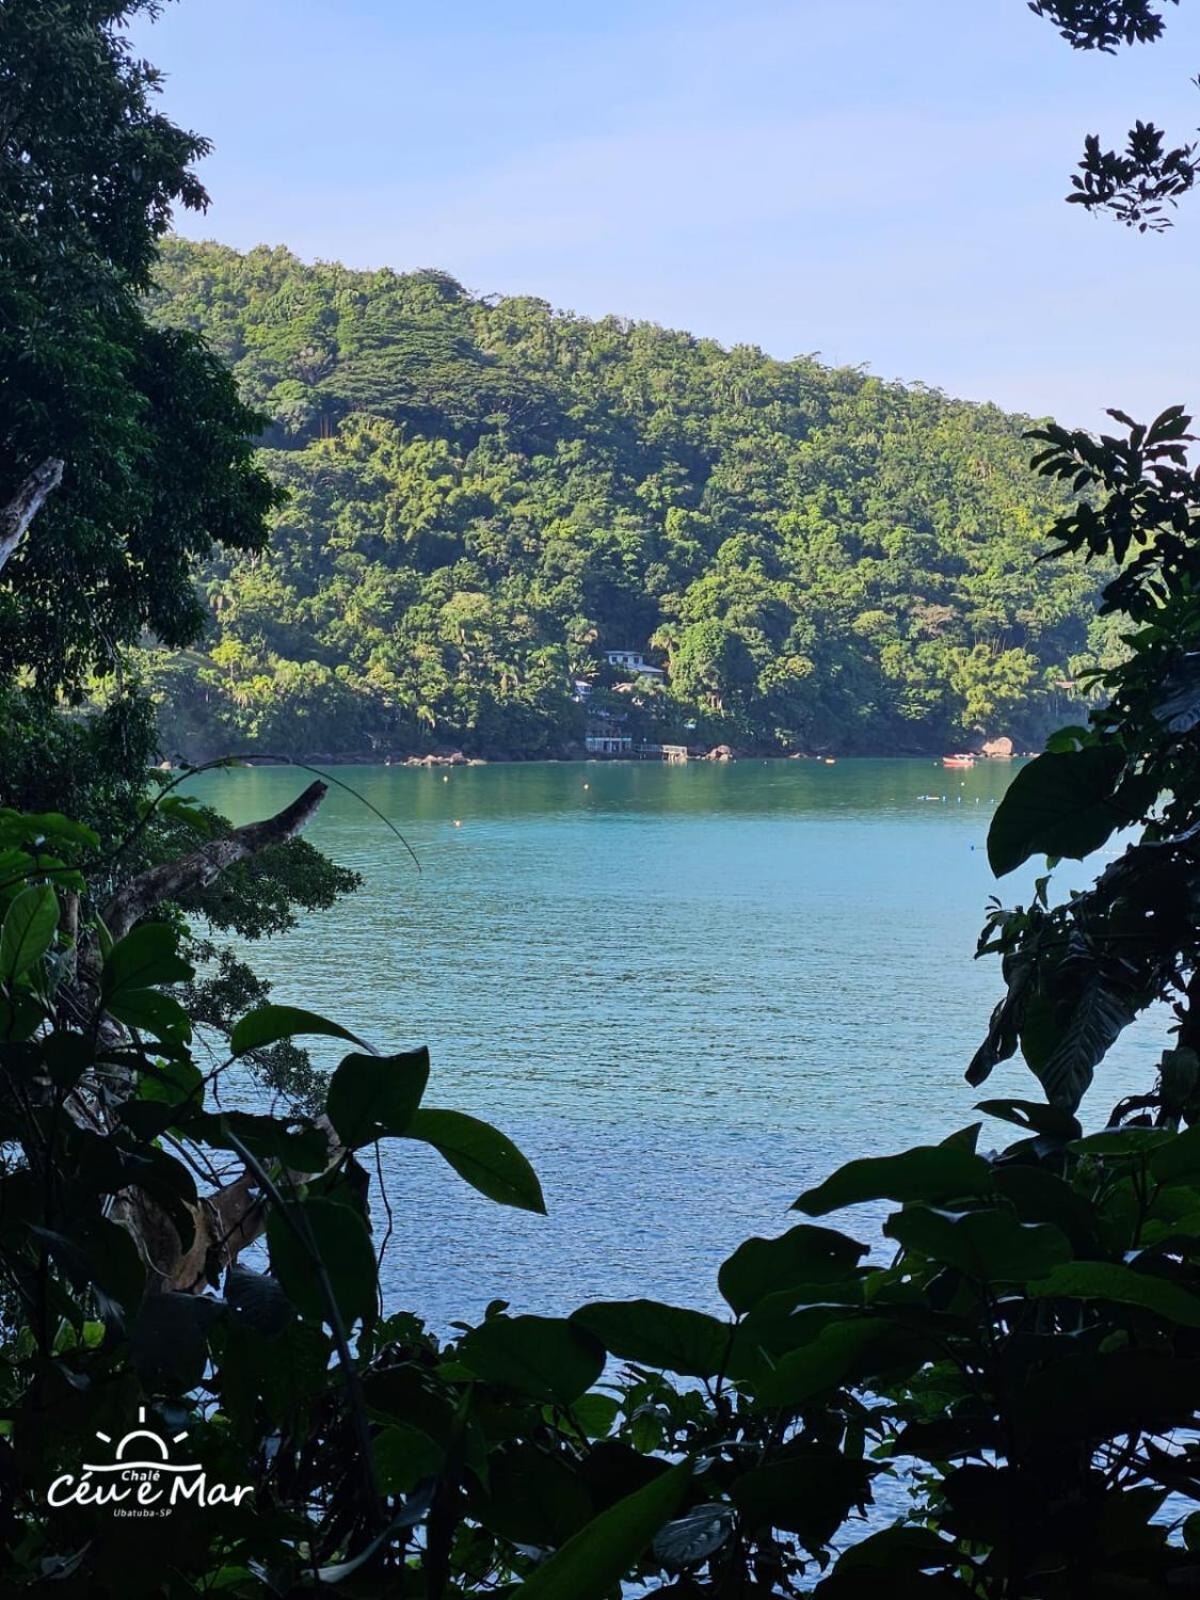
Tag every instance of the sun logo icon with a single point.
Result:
(141, 1442)
(141, 1480)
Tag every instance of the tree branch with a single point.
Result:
(26, 503)
(196, 870)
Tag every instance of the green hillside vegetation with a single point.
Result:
(486, 494)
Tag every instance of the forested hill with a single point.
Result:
(486, 495)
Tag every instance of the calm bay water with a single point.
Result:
(686, 992)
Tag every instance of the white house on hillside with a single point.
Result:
(634, 661)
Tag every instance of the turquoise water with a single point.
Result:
(687, 993)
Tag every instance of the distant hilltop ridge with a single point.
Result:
(491, 500)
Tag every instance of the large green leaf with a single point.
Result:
(169, 1339)
(44, 827)
(1098, 1017)
(808, 1492)
(372, 1097)
(655, 1335)
(343, 1244)
(820, 1364)
(1108, 1280)
(258, 1301)
(1179, 1158)
(1179, 708)
(547, 1358)
(269, 1024)
(991, 1245)
(804, 1255)
(28, 931)
(481, 1155)
(929, 1172)
(150, 1011)
(592, 1563)
(295, 1142)
(142, 959)
(405, 1457)
(692, 1538)
(1059, 805)
(534, 1497)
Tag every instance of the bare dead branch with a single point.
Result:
(20, 511)
(201, 866)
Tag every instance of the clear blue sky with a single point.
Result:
(877, 180)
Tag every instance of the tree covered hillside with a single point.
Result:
(485, 495)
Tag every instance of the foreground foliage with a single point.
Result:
(1010, 1399)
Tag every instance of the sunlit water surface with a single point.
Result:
(686, 992)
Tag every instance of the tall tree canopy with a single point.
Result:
(155, 443)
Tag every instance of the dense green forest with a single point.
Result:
(486, 494)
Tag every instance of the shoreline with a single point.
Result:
(432, 763)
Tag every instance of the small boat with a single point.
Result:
(960, 760)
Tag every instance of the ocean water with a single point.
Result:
(686, 992)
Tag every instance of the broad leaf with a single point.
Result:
(651, 1334)
(481, 1155)
(170, 1339)
(372, 1097)
(1059, 805)
(695, 1536)
(821, 1364)
(1098, 1018)
(547, 1358)
(592, 1563)
(1033, 1116)
(269, 1024)
(28, 931)
(807, 1492)
(295, 1142)
(405, 1457)
(150, 1011)
(1104, 1280)
(990, 1245)
(257, 1301)
(804, 1255)
(339, 1237)
(1179, 708)
(930, 1172)
(143, 959)
(1178, 1158)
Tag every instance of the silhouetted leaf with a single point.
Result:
(1033, 1116)
(1098, 1018)
(28, 932)
(269, 1024)
(340, 1239)
(808, 1492)
(592, 1563)
(656, 1335)
(547, 1358)
(823, 1363)
(481, 1155)
(257, 1300)
(805, 1254)
(1059, 805)
(142, 959)
(989, 1245)
(1105, 1280)
(371, 1097)
(695, 1536)
(930, 1172)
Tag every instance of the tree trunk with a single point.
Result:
(20, 511)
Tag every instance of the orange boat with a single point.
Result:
(958, 761)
